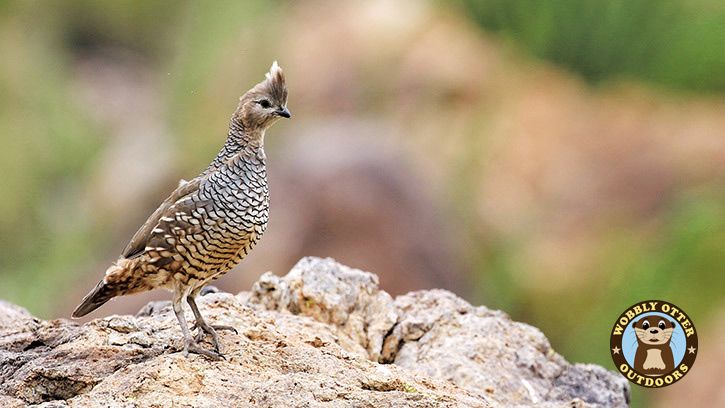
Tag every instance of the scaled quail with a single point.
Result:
(207, 225)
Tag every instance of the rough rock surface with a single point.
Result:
(324, 335)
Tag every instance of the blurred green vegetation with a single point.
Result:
(46, 146)
(49, 143)
(675, 43)
(680, 260)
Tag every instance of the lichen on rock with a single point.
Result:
(323, 335)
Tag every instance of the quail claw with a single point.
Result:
(192, 347)
(211, 330)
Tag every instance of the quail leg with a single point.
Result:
(204, 327)
(190, 345)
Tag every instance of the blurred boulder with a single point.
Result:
(343, 189)
(120, 92)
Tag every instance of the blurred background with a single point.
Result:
(559, 160)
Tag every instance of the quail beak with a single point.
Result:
(284, 112)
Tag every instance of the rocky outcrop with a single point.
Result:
(323, 335)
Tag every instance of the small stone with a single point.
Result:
(140, 338)
(117, 339)
(123, 324)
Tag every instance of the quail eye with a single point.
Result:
(645, 325)
(661, 325)
(264, 103)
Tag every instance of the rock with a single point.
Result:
(347, 298)
(442, 336)
(323, 335)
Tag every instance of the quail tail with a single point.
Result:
(101, 294)
(119, 280)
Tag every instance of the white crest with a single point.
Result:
(273, 70)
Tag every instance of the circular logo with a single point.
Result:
(653, 343)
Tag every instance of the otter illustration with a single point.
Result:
(654, 355)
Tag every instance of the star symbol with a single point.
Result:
(691, 350)
(615, 350)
